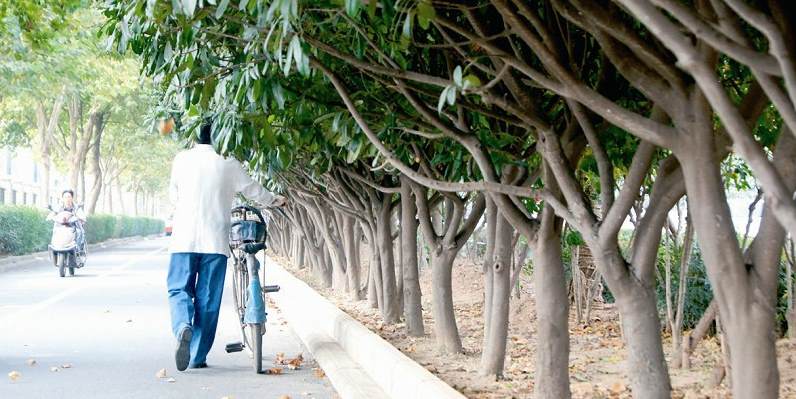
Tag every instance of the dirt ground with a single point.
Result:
(596, 350)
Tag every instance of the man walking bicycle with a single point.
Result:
(203, 186)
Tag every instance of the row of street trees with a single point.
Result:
(81, 109)
(387, 121)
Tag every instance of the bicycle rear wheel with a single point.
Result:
(240, 284)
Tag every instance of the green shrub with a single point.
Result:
(100, 228)
(25, 230)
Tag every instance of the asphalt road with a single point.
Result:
(110, 324)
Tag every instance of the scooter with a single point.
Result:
(67, 247)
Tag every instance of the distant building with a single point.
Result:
(22, 183)
(22, 179)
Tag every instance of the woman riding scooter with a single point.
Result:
(68, 244)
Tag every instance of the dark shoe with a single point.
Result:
(202, 365)
(183, 354)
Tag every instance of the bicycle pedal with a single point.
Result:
(271, 288)
(234, 347)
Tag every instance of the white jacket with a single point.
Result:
(203, 186)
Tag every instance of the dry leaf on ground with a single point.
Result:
(295, 363)
(284, 397)
(319, 372)
(274, 371)
(14, 375)
(280, 358)
(618, 387)
(161, 373)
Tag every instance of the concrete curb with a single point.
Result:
(324, 327)
(18, 262)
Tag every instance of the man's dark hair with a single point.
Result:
(68, 191)
(204, 132)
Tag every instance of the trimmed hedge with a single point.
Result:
(25, 230)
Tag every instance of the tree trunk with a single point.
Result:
(445, 329)
(389, 310)
(413, 310)
(748, 322)
(577, 283)
(490, 231)
(641, 328)
(700, 331)
(46, 130)
(677, 327)
(374, 272)
(494, 353)
(351, 247)
(552, 315)
(96, 170)
(325, 268)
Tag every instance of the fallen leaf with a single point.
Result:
(171, 379)
(319, 372)
(66, 366)
(274, 371)
(161, 373)
(284, 397)
(295, 363)
(31, 362)
(280, 358)
(618, 387)
(54, 369)
(14, 375)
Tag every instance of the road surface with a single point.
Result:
(109, 325)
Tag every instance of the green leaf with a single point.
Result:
(189, 7)
(279, 95)
(425, 14)
(442, 98)
(354, 149)
(352, 7)
(208, 90)
(372, 8)
(336, 122)
(452, 96)
(267, 135)
(193, 111)
(471, 81)
(222, 7)
(407, 31)
(457, 76)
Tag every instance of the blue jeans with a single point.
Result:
(196, 285)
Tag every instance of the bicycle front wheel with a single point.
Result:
(256, 345)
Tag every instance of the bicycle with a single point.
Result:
(247, 238)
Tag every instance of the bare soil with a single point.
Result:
(596, 350)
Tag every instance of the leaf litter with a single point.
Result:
(597, 352)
